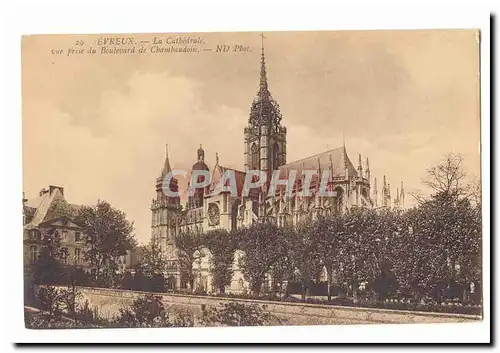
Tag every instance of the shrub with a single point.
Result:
(149, 311)
(238, 314)
(49, 300)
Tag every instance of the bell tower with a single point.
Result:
(265, 136)
(164, 211)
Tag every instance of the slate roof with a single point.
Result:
(45, 207)
(335, 160)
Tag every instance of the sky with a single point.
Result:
(98, 124)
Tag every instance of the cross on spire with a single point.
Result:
(263, 37)
(263, 76)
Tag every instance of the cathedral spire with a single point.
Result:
(166, 166)
(263, 90)
(360, 167)
(264, 110)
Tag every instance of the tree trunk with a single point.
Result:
(256, 288)
(328, 284)
(354, 292)
(304, 291)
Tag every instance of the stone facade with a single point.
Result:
(50, 211)
(265, 141)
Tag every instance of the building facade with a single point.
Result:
(51, 212)
(265, 141)
(47, 212)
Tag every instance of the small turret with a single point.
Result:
(367, 170)
(402, 196)
(360, 168)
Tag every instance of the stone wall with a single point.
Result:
(109, 301)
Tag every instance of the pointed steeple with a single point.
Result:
(330, 177)
(375, 192)
(346, 159)
(201, 154)
(264, 109)
(263, 91)
(166, 166)
(367, 170)
(320, 172)
(402, 196)
(360, 167)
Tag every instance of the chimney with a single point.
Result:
(52, 188)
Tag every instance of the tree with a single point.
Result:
(222, 246)
(327, 234)
(188, 244)
(108, 235)
(447, 177)
(263, 245)
(48, 267)
(304, 255)
(154, 265)
(443, 249)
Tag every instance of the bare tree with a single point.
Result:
(448, 176)
(475, 192)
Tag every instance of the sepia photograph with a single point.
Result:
(259, 178)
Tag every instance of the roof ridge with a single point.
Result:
(236, 170)
(314, 155)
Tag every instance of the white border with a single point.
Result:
(26, 18)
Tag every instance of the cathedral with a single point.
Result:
(265, 141)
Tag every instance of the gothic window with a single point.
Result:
(255, 157)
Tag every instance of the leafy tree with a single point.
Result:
(263, 245)
(48, 267)
(188, 244)
(304, 255)
(222, 246)
(153, 267)
(152, 260)
(108, 235)
(327, 234)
